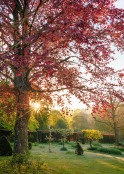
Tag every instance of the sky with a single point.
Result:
(117, 65)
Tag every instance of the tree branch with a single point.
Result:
(66, 88)
(19, 4)
(34, 16)
(50, 21)
(5, 75)
(4, 40)
(67, 58)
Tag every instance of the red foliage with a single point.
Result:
(60, 44)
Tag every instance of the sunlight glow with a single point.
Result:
(36, 105)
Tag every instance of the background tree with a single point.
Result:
(43, 116)
(33, 124)
(92, 135)
(112, 115)
(40, 41)
(103, 125)
(57, 120)
(80, 120)
(54, 116)
(61, 124)
(7, 110)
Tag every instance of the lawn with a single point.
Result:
(67, 162)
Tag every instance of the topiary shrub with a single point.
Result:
(63, 149)
(29, 145)
(5, 147)
(79, 150)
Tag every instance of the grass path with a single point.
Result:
(67, 162)
(70, 163)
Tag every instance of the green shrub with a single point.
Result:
(18, 159)
(120, 148)
(7, 167)
(63, 149)
(5, 147)
(110, 151)
(29, 145)
(79, 150)
(92, 148)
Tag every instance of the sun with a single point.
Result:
(36, 105)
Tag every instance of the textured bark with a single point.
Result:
(21, 125)
(21, 135)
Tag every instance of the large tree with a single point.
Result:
(54, 45)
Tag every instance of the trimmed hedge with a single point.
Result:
(110, 151)
(106, 150)
(108, 138)
(120, 148)
(40, 136)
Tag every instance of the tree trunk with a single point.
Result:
(21, 125)
(21, 135)
(117, 139)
